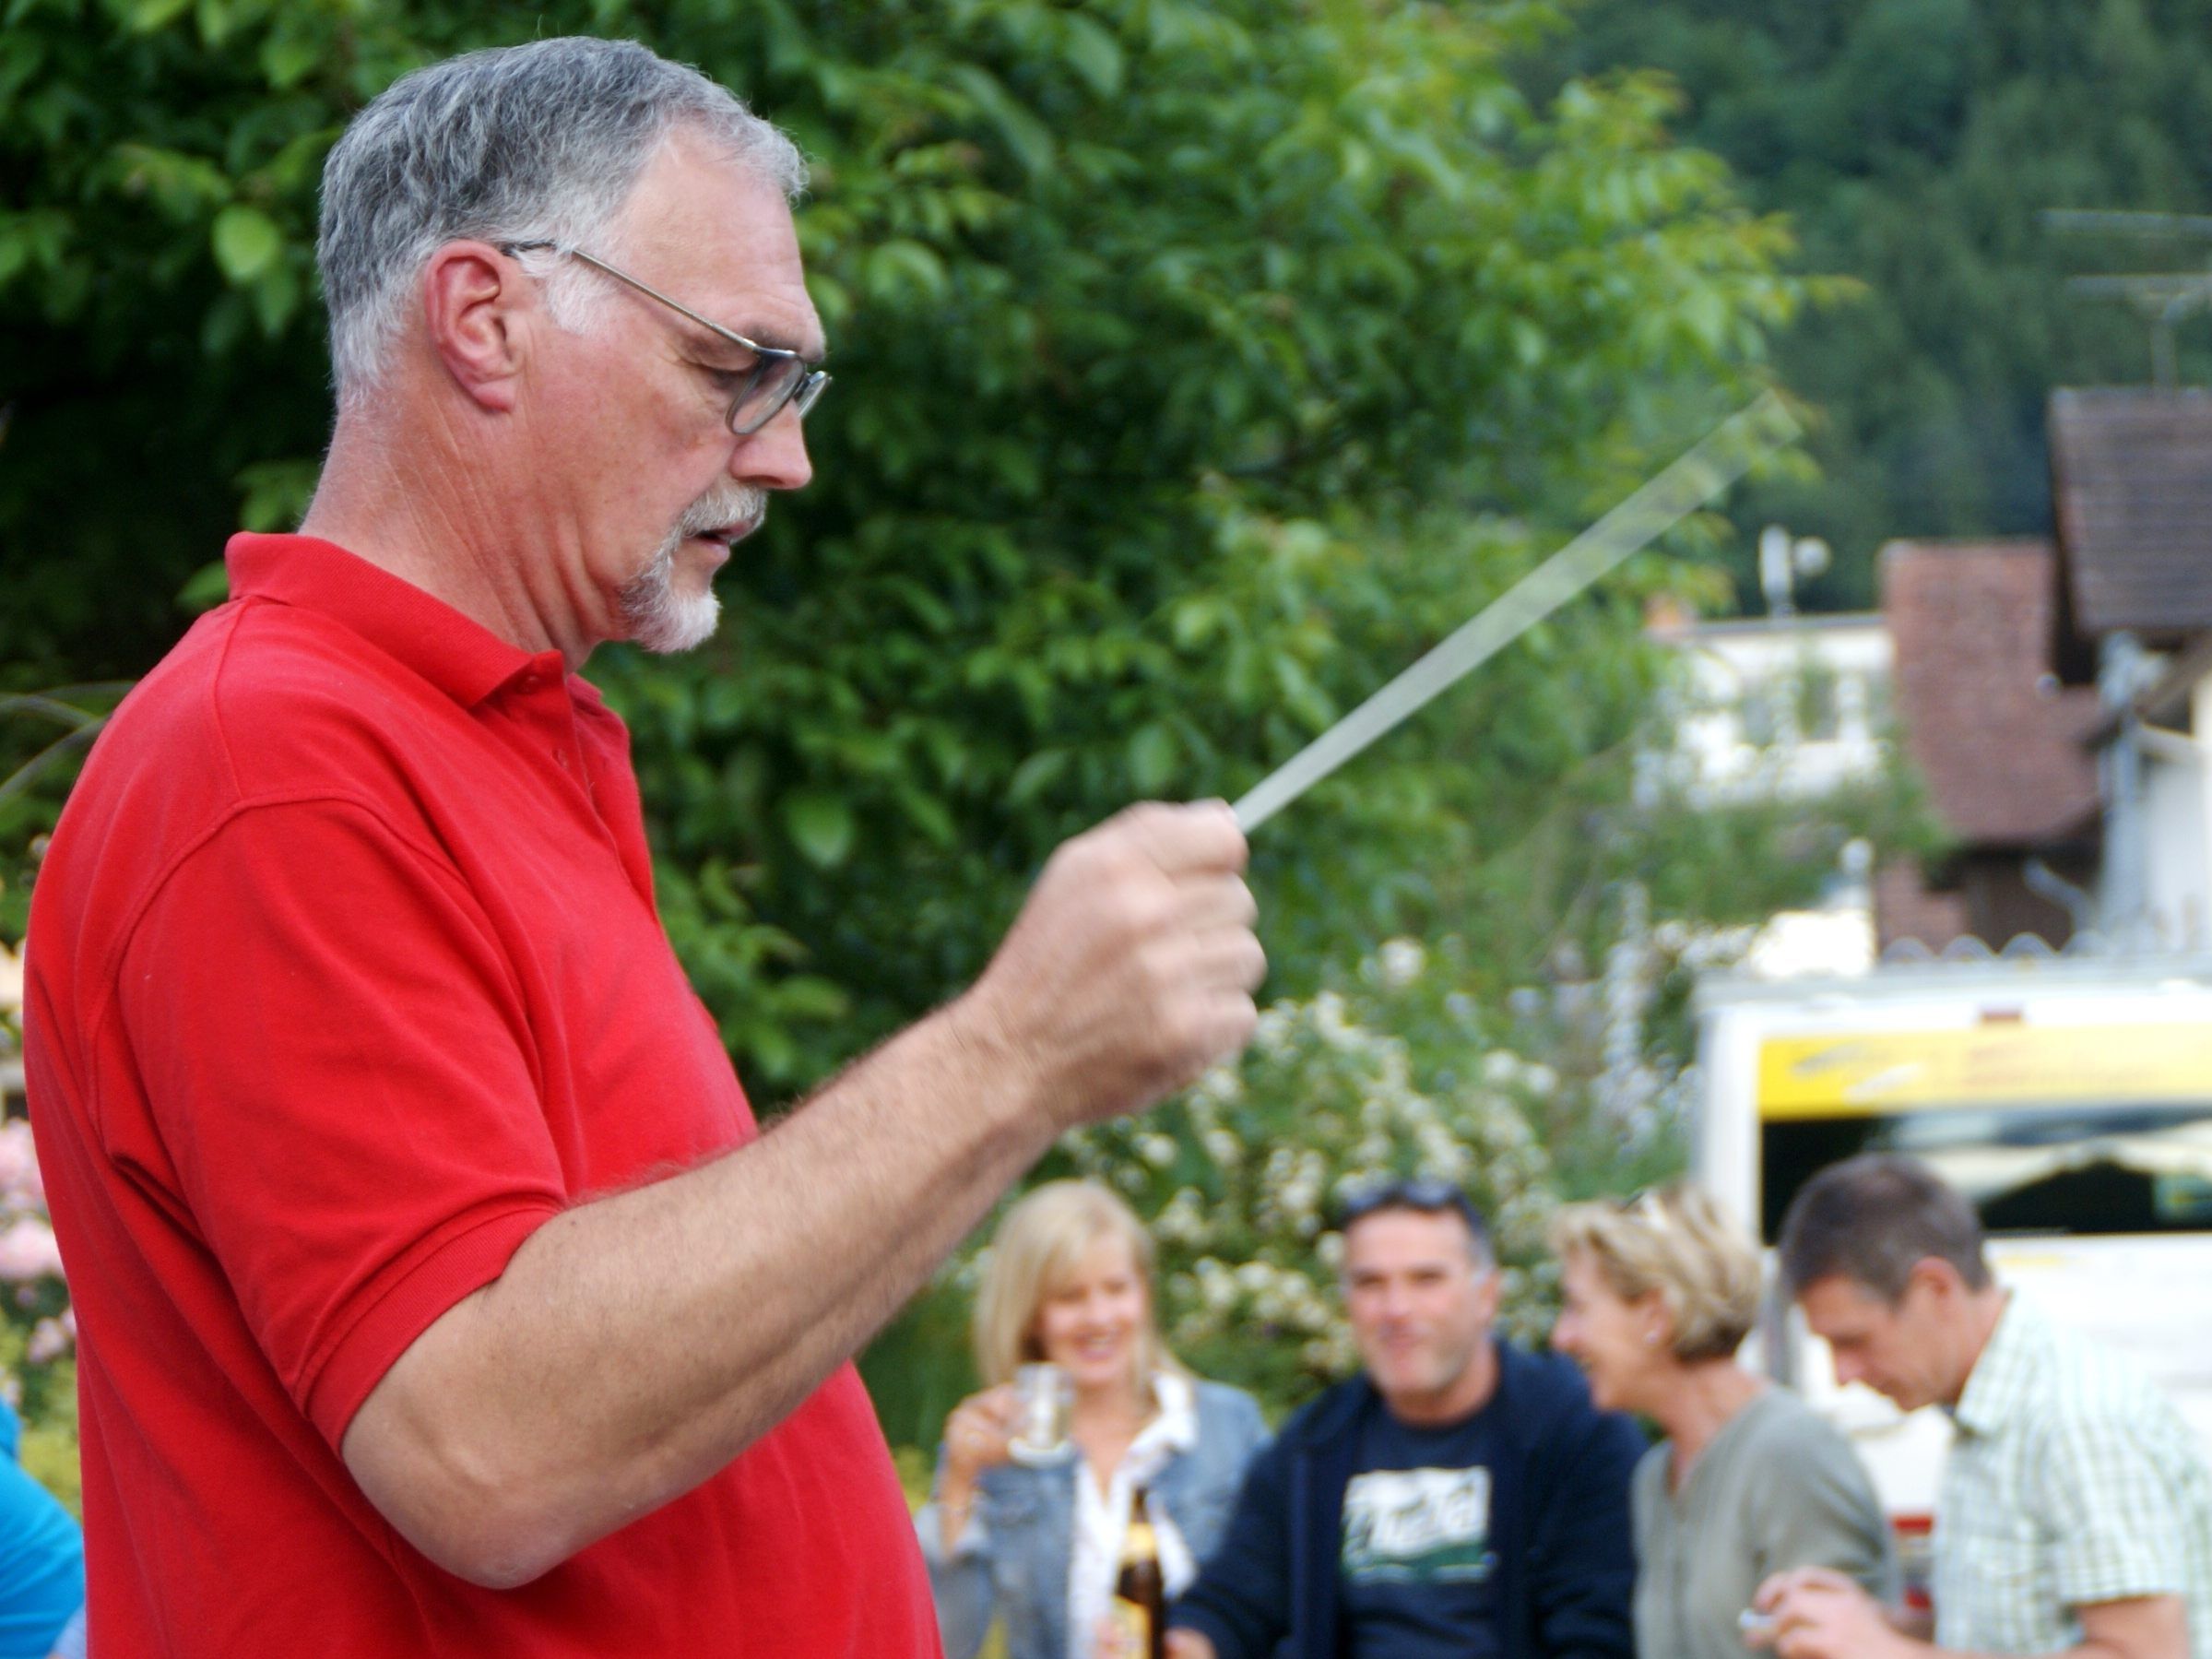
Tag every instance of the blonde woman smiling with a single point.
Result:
(1657, 1296)
(1070, 1283)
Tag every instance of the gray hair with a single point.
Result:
(1873, 1218)
(541, 142)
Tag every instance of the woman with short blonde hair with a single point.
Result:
(1675, 1244)
(1657, 1293)
(1069, 1284)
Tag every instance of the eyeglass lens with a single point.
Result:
(778, 380)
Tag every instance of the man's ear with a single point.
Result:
(472, 297)
(1492, 1292)
(1937, 1278)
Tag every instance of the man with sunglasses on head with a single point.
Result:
(1459, 1498)
(437, 1292)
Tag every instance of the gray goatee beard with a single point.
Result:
(654, 615)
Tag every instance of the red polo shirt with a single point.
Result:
(344, 977)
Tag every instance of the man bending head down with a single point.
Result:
(2074, 1514)
(437, 1294)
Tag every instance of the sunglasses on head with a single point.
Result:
(1429, 1194)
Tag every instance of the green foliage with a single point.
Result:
(1207, 363)
(1196, 365)
(1914, 144)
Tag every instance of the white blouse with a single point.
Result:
(1102, 1517)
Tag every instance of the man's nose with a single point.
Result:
(775, 457)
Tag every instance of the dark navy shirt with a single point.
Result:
(1417, 1567)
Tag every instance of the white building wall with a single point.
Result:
(2173, 819)
(2175, 828)
(1740, 730)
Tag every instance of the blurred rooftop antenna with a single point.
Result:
(1782, 558)
(2160, 299)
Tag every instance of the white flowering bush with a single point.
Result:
(1240, 1177)
(1566, 1089)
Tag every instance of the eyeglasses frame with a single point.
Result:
(804, 392)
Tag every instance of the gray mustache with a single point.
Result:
(726, 505)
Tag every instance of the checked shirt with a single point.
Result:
(2071, 1481)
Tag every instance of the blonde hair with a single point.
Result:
(1677, 1242)
(1038, 1246)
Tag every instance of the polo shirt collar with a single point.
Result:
(460, 656)
(2003, 1376)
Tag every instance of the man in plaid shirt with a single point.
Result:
(2075, 1515)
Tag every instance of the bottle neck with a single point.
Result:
(1138, 1543)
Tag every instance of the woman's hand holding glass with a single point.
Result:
(978, 1436)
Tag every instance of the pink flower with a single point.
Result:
(20, 1185)
(27, 1251)
(47, 1342)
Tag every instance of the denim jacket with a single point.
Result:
(1020, 1570)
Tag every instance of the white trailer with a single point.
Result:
(2069, 1098)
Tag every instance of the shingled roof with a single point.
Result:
(2000, 743)
(2131, 475)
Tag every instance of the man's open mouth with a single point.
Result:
(727, 536)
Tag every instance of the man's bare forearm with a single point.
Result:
(635, 1345)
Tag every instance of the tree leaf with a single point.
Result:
(1151, 758)
(819, 826)
(209, 586)
(1093, 54)
(246, 243)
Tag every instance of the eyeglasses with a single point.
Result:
(778, 376)
(1432, 1195)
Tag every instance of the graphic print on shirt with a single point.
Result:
(1417, 1526)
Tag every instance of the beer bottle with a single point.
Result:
(1139, 1605)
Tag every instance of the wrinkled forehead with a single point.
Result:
(721, 238)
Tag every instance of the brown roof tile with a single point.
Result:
(1998, 740)
(2131, 473)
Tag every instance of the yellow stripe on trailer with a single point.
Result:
(1863, 1074)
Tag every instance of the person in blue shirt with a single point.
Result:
(41, 1556)
(1459, 1497)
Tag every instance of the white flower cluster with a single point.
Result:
(1402, 1072)
(1239, 1177)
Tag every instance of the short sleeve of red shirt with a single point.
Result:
(343, 1083)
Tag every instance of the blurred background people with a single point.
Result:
(1657, 1296)
(1068, 1283)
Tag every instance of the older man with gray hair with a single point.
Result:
(438, 1294)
